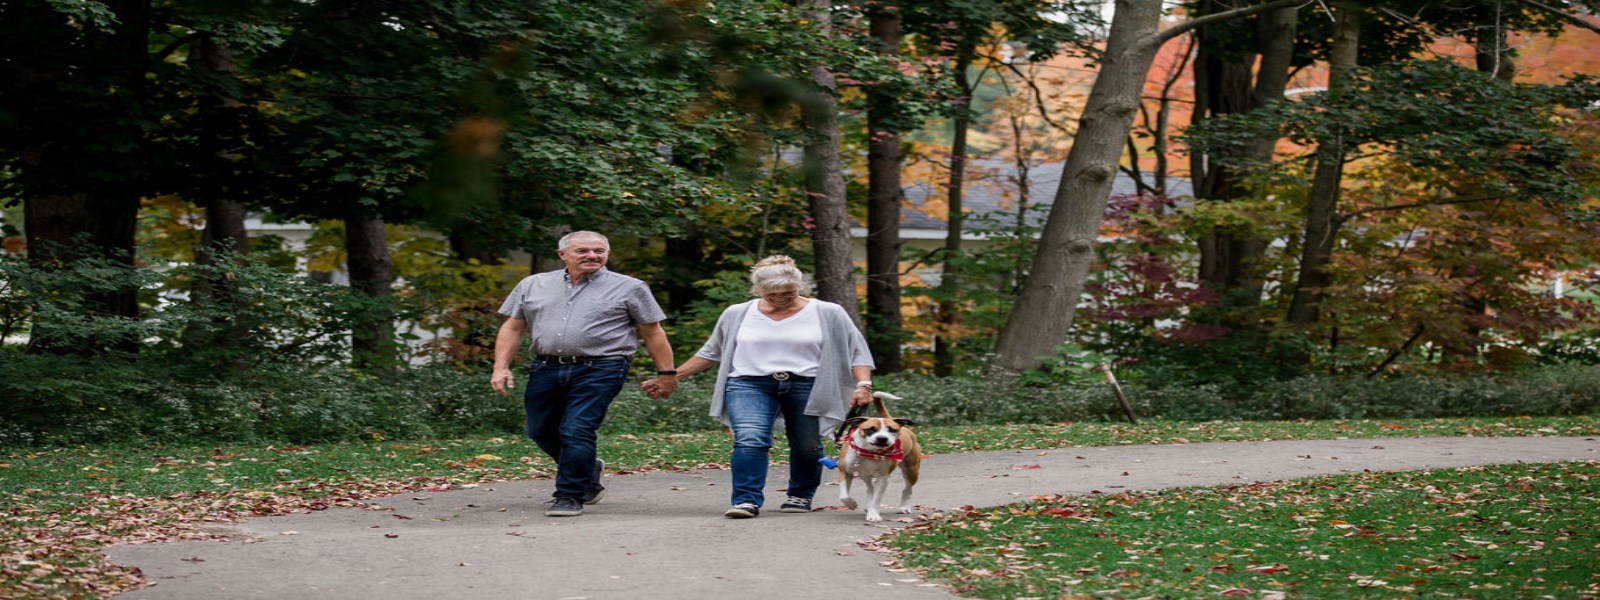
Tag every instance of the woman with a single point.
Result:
(781, 355)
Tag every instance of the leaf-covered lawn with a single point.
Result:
(1508, 531)
(61, 506)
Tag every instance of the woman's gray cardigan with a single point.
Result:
(843, 347)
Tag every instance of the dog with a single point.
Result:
(871, 450)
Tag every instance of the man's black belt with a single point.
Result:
(572, 360)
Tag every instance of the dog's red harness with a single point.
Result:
(893, 453)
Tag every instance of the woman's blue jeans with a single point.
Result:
(753, 405)
(565, 406)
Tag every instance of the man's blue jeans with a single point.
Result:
(753, 404)
(565, 405)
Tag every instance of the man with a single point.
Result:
(586, 322)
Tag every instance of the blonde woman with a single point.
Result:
(781, 355)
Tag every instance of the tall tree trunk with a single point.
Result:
(1228, 256)
(1042, 318)
(1322, 208)
(824, 176)
(114, 211)
(949, 308)
(60, 204)
(884, 323)
(225, 232)
(372, 277)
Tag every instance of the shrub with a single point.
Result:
(133, 399)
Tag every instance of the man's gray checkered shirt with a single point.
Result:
(599, 317)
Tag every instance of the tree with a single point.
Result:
(824, 175)
(884, 196)
(82, 154)
(1045, 309)
(1227, 81)
(968, 30)
(1321, 208)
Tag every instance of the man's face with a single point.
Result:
(584, 255)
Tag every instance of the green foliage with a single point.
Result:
(138, 399)
(985, 286)
(1572, 348)
(58, 303)
(1496, 139)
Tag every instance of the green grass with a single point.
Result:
(60, 506)
(1509, 531)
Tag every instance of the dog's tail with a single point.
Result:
(877, 402)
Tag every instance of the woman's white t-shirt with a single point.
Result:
(765, 346)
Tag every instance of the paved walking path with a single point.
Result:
(662, 535)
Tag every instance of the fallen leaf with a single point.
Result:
(1268, 569)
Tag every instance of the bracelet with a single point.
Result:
(864, 384)
(668, 372)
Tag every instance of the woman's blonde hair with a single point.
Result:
(776, 273)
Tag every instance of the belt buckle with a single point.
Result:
(566, 360)
(781, 376)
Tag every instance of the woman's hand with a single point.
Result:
(860, 397)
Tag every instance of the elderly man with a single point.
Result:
(585, 322)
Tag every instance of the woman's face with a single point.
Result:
(781, 299)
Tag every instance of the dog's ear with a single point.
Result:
(853, 422)
(906, 422)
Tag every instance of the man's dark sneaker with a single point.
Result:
(743, 510)
(565, 507)
(597, 491)
(796, 504)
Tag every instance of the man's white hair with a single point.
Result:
(566, 240)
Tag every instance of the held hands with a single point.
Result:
(660, 387)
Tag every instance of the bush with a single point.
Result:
(133, 399)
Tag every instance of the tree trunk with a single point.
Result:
(372, 277)
(1494, 56)
(63, 210)
(224, 232)
(1322, 218)
(945, 317)
(884, 323)
(1228, 256)
(830, 239)
(1042, 318)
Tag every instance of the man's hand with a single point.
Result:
(660, 387)
(501, 381)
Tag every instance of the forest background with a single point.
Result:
(1392, 207)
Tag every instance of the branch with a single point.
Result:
(1191, 24)
(1038, 96)
(163, 53)
(1375, 209)
(1565, 16)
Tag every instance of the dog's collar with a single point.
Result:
(894, 452)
